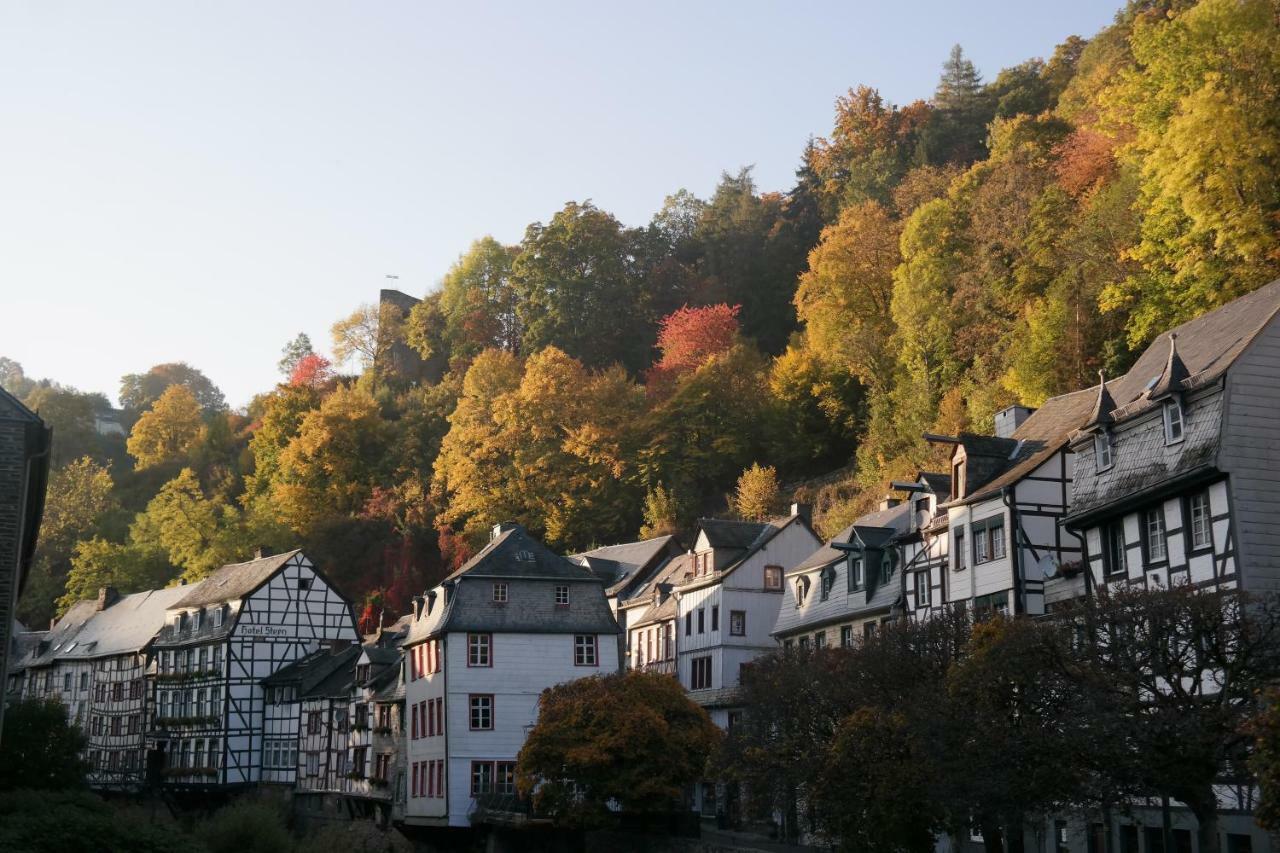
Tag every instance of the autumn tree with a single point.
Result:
(756, 496)
(367, 334)
(687, 338)
(479, 300)
(167, 430)
(196, 533)
(662, 513)
(312, 370)
(634, 739)
(822, 405)
(845, 298)
(70, 414)
(139, 391)
(1265, 760)
(129, 567)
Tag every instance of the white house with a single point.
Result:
(483, 645)
(220, 640)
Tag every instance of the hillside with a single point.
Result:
(1002, 241)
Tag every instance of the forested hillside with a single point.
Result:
(1000, 242)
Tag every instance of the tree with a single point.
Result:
(845, 298)
(479, 300)
(196, 533)
(756, 497)
(71, 416)
(130, 567)
(13, 379)
(312, 370)
(367, 334)
(139, 391)
(1265, 761)
(40, 747)
(962, 110)
(687, 338)
(293, 352)
(167, 431)
(661, 513)
(578, 290)
(823, 405)
(633, 739)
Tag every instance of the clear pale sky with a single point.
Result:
(199, 182)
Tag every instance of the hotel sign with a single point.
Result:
(262, 631)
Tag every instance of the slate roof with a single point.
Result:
(464, 600)
(729, 533)
(669, 575)
(235, 580)
(1206, 347)
(516, 554)
(125, 627)
(764, 534)
(895, 519)
(321, 673)
(939, 484)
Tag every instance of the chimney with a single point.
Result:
(803, 510)
(501, 528)
(1010, 419)
(261, 551)
(889, 502)
(107, 596)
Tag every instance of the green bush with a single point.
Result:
(248, 826)
(76, 822)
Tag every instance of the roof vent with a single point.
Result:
(501, 528)
(803, 510)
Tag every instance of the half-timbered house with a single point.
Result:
(94, 661)
(299, 734)
(483, 645)
(1009, 492)
(1178, 466)
(220, 640)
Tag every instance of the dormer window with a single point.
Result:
(857, 578)
(957, 479)
(802, 590)
(828, 581)
(182, 623)
(219, 615)
(1102, 450)
(196, 618)
(1172, 422)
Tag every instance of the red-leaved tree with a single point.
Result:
(312, 370)
(689, 337)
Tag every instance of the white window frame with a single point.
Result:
(1173, 419)
(924, 589)
(1153, 526)
(1102, 451)
(585, 650)
(480, 712)
(562, 595)
(499, 593)
(479, 650)
(1200, 522)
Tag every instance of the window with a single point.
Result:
(802, 590)
(1114, 554)
(304, 583)
(738, 623)
(868, 630)
(1102, 451)
(804, 642)
(827, 580)
(504, 778)
(700, 673)
(481, 778)
(996, 532)
(715, 617)
(820, 640)
(481, 712)
(981, 553)
(479, 650)
(1153, 530)
(584, 650)
(962, 556)
(84, 681)
(702, 620)
(923, 589)
(499, 593)
(359, 760)
(773, 577)
(857, 575)
(562, 596)
(218, 616)
(197, 618)
(846, 636)
(117, 726)
(669, 641)
(381, 765)
(66, 682)
(1201, 529)
(1172, 422)
(688, 623)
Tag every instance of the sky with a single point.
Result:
(200, 182)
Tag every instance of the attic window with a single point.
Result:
(957, 480)
(1172, 422)
(562, 596)
(773, 577)
(802, 590)
(828, 581)
(856, 579)
(499, 593)
(304, 583)
(218, 616)
(1102, 450)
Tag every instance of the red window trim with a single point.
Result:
(493, 712)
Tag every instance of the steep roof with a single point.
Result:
(730, 533)
(514, 553)
(623, 566)
(939, 484)
(1100, 415)
(321, 673)
(895, 519)
(235, 580)
(765, 532)
(124, 627)
(1206, 347)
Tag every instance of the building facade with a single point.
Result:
(482, 646)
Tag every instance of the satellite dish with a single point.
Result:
(1048, 566)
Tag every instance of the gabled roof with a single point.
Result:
(730, 533)
(321, 673)
(624, 566)
(765, 532)
(1206, 347)
(1103, 406)
(939, 484)
(1175, 373)
(235, 580)
(513, 553)
(124, 627)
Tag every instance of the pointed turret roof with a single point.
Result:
(1102, 407)
(1175, 372)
